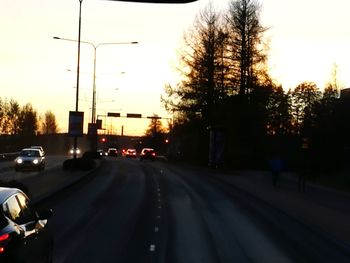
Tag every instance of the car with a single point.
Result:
(147, 154)
(130, 153)
(112, 152)
(38, 147)
(77, 151)
(24, 232)
(123, 152)
(30, 159)
(102, 153)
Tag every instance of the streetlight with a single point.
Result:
(95, 46)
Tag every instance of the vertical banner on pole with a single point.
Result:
(76, 123)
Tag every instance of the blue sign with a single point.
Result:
(76, 123)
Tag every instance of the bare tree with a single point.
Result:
(248, 52)
(332, 89)
(155, 126)
(203, 69)
(9, 116)
(49, 124)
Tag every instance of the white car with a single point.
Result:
(38, 147)
(30, 159)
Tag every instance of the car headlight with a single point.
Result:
(19, 161)
(78, 151)
(35, 161)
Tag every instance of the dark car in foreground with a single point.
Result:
(148, 154)
(30, 159)
(24, 234)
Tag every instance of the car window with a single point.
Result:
(12, 209)
(26, 212)
(30, 153)
(16, 208)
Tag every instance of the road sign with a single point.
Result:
(113, 114)
(133, 115)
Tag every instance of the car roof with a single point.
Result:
(36, 147)
(30, 149)
(6, 192)
(147, 149)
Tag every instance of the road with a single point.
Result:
(7, 168)
(133, 211)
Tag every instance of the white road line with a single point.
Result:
(152, 248)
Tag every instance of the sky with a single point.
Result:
(306, 39)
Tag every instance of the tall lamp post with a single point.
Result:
(93, 108)
(78, 75)
(95, 46)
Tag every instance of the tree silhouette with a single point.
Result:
(49, 124)
(9, 116)
(28, 121)
(202, 68)
(278, 111)
(304, 98)
(155, 126)
(248, 53)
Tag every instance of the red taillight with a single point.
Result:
(153, 154)
(4, 237)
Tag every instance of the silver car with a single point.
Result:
(38, 147)
(30, 159)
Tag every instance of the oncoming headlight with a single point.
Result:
(19, 161)
(35, 161)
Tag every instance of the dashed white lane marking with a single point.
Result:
(156, 229)
(152, 248)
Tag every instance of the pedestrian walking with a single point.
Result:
(276, 167)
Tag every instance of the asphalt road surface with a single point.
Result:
(142, 211)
